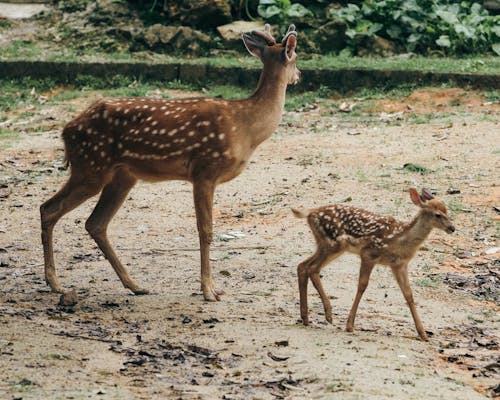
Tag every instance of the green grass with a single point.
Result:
(431, 280)
(23, 50)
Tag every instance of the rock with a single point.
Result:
(331, 36)
(231, 33)
(200, 14)
(68, 299)
(169, 39)
(377, 46)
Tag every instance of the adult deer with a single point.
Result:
(376, 239)
(205, 141)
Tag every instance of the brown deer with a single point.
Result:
(376, 239)
(205, 141)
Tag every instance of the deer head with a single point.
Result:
(433, 210)
(263, 46)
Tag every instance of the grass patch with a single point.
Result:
(455, 206)
(24, 50)
(431, 280)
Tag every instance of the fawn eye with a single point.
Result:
(438, 216)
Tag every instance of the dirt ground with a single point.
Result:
(251, 345)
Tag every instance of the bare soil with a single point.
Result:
(251, 345)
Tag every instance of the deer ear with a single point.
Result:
(415, 197)
(254, 47)
(290, 45)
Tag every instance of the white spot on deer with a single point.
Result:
(145, 106)
(146, 129)
(173, 132)
(204, 139)
(120, 145)
(215, 154)
(162, 131)
(191, 133)
(233, 128)
(211, 135)
(221, 136)
(154, 123)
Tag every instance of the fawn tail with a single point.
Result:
(300, 213)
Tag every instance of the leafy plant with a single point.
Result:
(423, 26)
(281, 11)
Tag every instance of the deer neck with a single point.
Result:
(265, 107)
(416, 232)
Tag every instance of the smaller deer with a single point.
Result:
(376, 239)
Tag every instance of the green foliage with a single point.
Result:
(423, 26)
(281, 12)
(73, 5)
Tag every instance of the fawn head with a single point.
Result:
(432, 210)
(262, 45)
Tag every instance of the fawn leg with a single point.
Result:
(314, 274)
(401, 275)
(364, 277)
(303, 278)
(203, 191)
(112, 197)
(72, 194)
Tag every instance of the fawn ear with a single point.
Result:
(254, 46)
(415, 197)
(426, 194)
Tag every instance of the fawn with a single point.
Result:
(376, 239)
(205, 141)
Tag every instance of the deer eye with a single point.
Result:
(438, 216)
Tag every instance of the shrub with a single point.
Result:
(423, 26)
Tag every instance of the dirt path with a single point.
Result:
(172, 344)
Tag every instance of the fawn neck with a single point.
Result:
(416, 231)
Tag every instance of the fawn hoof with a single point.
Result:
(424, 337)
(349, 328)
(305, 320)
(329, 319)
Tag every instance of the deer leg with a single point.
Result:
(203, 192)
(72, 194)
(112, 197)
(401, 275)
(364, 277)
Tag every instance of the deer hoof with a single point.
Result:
(349, 328)
(140, 291)
(211, 296)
